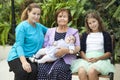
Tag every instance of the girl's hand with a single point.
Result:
(87, 59)
(26, 66)
(92, 60)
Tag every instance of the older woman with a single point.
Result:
(59, 69)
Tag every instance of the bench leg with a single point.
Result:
(111, 76)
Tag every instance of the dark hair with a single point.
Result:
(24, 15)
(96, 15)
(63, 10)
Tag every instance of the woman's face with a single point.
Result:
(34, 15)
(93, 24)
(62, 18)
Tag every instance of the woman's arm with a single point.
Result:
(63, 51)
(26, 66)
(77, 49)
(20, 36)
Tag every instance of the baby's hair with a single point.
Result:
(73, 37)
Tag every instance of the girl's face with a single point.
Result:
(34, 15)
(62, 18)
(93, 24)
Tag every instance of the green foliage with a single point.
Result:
(4, 21)
(117, 14)
(50, 6)
(114, 13)
(109, 11)
(4, 30)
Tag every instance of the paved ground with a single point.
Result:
(6, 75)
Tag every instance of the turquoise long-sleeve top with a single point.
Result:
(29, 40)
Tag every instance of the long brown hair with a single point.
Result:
(96, 15)
(24, 15)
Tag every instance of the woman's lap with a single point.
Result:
(58, 70)
(20, 74)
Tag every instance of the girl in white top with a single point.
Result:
(96, 49)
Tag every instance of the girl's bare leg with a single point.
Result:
(82, 74)
(93, 74)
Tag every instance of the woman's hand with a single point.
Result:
(26, 66)
(61, 52)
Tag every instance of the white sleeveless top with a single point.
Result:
(95, 42)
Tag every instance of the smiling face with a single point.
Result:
(93, 24)
(34, 15)
(62, 19)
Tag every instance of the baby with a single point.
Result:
(48, 53)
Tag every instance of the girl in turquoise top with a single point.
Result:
(29, 39)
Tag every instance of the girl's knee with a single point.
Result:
(81, 70)
(92, 71)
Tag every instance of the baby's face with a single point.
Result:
(70, 39)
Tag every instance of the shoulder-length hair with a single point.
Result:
(96, 15)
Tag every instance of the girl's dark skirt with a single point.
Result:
(57, 70)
